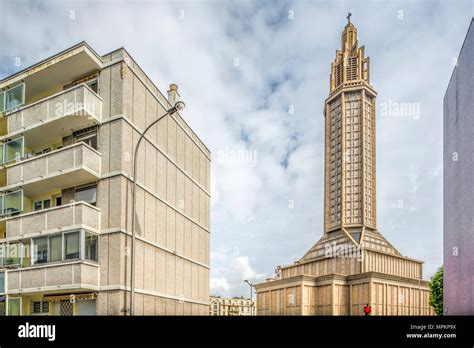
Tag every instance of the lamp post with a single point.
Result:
(179, 106)
(251, 295)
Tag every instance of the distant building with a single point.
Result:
(235, 306)
(353, 267)
(458, 164)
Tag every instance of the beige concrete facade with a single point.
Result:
(235, 306)
(80, 128)
(352, 265)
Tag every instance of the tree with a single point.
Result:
(436, 293)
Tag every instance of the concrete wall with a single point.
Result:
(173, 200)
(459, 185)
(372, 261)
(338, 295)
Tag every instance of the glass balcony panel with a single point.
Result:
(2, 282)
(15, 97)
(91, 245)
(71, 246)
(14, 150)
(2, 102)
(12, 202)
(40, 250)
(55, 247)
(11, 255)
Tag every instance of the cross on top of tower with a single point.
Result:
(348, 17)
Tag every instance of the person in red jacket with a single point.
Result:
(367, 309)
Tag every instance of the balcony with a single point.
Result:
(64, 217)
(50, 118)
(72, 165)
(77, 275)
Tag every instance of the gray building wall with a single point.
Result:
(459, 184)
(173, 200)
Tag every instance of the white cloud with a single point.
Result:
(228, 279)
(219, 286)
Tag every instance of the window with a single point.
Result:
(93, 85)
(89, 139)
(40, 249)
(58, 201)
(65, 246)
(88, 136)
(87, 194)
(12, 98)
(39, 205)
(55, 247)
(14, 306)
(43, 151)
(39, 307)
(71, 246)
(91, 246)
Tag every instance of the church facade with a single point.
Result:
(352, 269)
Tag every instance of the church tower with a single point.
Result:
(349, 195)
(352, 266)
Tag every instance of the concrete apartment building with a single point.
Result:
(352, 266)
(235, 306)
(458, 168)
(68, 130)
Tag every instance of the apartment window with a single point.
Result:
(91, 246)
(40, 205)
(65, 246)
(37, 205)
(71, 246)
(87, 194)
(88, 136)
(39, 307)
(93, 85)
(90, 140)
(58, 201)
(12, 98)
(14, 306)
(43, 151)
(40, 250)
(55, 247)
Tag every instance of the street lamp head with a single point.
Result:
(179, 106)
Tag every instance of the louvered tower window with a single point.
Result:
(339, 74)
(351, 69)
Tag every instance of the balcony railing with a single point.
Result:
(71, 104)
(53, 277)
(60, 218)
(75, 164)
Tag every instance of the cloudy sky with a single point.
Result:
(254, 75)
